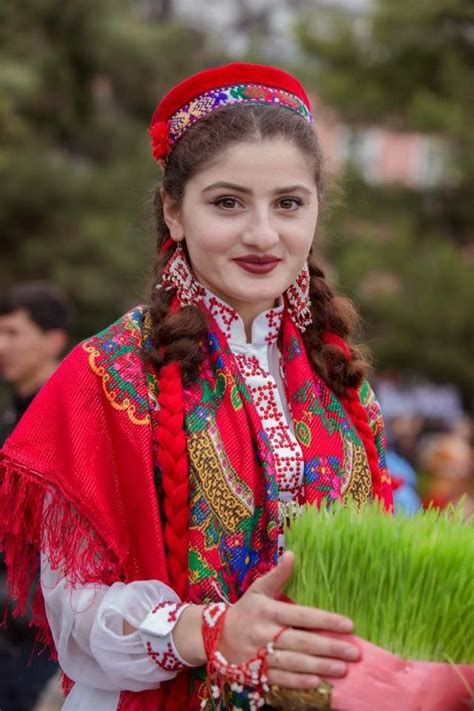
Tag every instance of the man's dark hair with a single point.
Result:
(45, 303)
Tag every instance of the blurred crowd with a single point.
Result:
(429, 443)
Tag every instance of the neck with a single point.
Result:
(31, 384)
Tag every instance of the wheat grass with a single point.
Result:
(407, 582)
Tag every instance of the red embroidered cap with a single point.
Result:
(237, 83)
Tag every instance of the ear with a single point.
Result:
(172, 215)
(57, 340)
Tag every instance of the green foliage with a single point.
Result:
(405, 255)
(407, 582)
(404, 62)
(78, 84)
(412, 284)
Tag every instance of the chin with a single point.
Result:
(252, 297)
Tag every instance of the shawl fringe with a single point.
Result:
(35, 516)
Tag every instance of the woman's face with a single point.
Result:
(248, 220)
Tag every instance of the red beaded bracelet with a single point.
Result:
(252, 673)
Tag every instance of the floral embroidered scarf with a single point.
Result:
(88, 441)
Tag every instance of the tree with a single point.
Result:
(406, 254)
(78, 84)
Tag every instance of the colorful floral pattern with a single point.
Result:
(115, 356)
(202, 105)
(235, 512)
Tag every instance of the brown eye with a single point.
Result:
(226, 203)
(289, 203)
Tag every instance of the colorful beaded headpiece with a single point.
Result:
(236, 83)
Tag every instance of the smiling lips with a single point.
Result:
(256, 264)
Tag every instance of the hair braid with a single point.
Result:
(174, 338)
(172, 458)
(333, 314)
(171, 440)
(341, 364)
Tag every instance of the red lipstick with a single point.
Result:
(258, 264)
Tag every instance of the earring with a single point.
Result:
(178, 275)
(297, 296)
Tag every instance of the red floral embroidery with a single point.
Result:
(273, 319)
(174, 607)
(260, 92)
(224, 315)
(286, 451)
(166, 660)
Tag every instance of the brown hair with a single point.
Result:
(178, 337)
(46, 305)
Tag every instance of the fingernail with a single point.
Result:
(337, 668)
(313, 681)
(345, 625)
(351, 653)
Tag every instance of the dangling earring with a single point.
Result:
(178, 275)
(299, 304)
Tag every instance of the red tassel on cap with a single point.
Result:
(160, 143)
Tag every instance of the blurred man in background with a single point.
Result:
(35, 320)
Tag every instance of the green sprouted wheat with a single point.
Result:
(407, 582)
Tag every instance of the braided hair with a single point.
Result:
(178, 336)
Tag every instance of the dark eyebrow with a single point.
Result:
(246, 191)
(228, 186)
(293, 189)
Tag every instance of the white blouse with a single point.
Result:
(87, 621)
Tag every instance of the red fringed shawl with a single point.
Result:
(89, 441)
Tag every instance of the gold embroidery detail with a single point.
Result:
(126, 404)
(217, 480)
(357, 484)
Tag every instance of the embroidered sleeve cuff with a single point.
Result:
(156, 632)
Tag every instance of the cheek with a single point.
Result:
(210, 243)
(299, 244)
(20, 345)
(205, 254)
(31, 348)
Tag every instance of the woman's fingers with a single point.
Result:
(291, 680)
(288, 615)
(305, 664)
(255, 619)
(314, 644)
(272, 583)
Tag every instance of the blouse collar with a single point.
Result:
(265, 327)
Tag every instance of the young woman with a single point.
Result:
(154, 470)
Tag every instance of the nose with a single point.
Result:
(260, 232)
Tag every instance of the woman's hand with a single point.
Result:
(300, 655)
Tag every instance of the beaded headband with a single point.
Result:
(202, 93)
